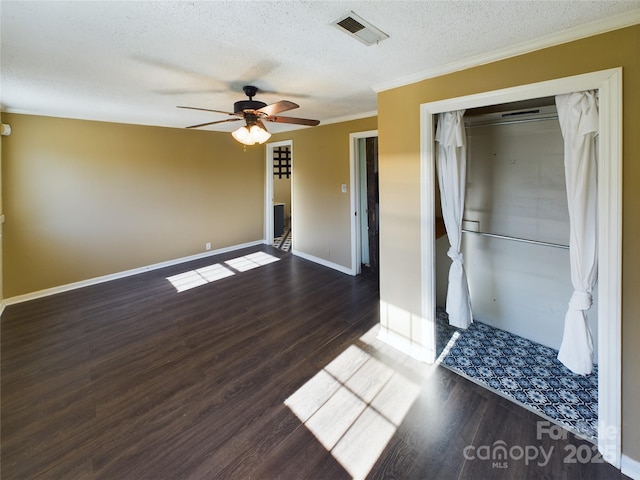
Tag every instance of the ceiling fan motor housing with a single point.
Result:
(251, 104)
(243, 105)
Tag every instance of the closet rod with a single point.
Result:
(517, 239)
(509, 122)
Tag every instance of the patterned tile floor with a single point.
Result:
(283, 242)
(522, 371)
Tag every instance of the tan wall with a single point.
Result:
(84, 199)
(321, 212)
(398, 126)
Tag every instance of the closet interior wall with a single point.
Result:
(516, 188)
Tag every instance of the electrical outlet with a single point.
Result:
(207, 246)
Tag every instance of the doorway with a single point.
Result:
(515, 243)
(365, 228)
(608, 84)
(278, 218)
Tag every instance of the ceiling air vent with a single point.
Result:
(360, 29)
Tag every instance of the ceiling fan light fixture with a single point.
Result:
(242, 135)
(251, 135)
(260, 135)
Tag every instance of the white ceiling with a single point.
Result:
(134, 62)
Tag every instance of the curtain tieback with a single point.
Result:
(455, 255)
(580, 301)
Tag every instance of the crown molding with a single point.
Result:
(571, 34)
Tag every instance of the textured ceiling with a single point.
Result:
(133, 62)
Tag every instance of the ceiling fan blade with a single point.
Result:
(213, 123)
(297, 121)
(281, 106)
(210, 110)
(261, 125)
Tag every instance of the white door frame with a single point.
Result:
(268, 190)
(609, 84)
(354, 180)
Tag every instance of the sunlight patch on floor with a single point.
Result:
(251, 261)
(201, 276)
(353, 406)
(212, 273)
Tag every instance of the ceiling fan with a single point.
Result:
(254, 113)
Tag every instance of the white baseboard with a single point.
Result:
(323, 262)
(630, 467)
(114, 276)
(404, 345)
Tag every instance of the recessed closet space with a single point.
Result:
(514, 245)
(516, 189)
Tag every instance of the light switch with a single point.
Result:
(344, 188)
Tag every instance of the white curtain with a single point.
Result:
(451, 166)
(578, 115)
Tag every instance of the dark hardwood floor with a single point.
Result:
(273, 372)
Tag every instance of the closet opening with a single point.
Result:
(607, 84)
(515, 245)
